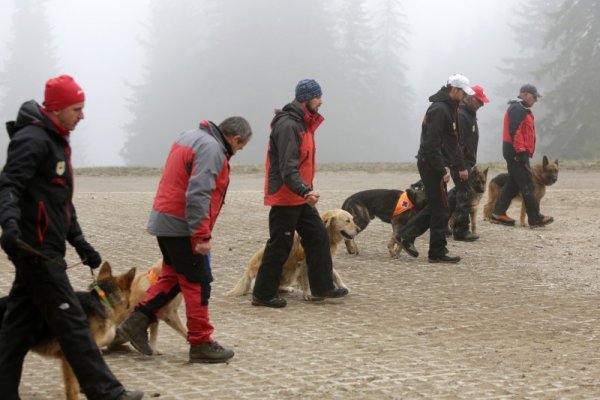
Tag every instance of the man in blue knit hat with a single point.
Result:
(289, 191)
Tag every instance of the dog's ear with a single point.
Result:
(105, 271)
(545, 161)
(485, 171)
(124, 281)
(556, 162)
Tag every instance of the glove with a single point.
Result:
(522, 158)
(10, 238)
(87, 253)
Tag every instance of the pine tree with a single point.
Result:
(31, 62)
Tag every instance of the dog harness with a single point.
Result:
(404, 204)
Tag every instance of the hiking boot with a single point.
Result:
(330, 294)
(273, 302)
(502, 219)
(135, 330)
(408, 245)
(445, 259)
(465, 236)
(131, 395)
(209, 352)
(542, 222)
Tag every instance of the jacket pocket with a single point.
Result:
(42, 222)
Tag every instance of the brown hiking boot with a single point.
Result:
(542, 222)
(135, 330)
(502, 219)
(209, 352)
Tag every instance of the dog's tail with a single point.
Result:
(242, 286)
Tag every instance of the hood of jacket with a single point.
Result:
(442, 95)
(31, 113)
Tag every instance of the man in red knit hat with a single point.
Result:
(36, 189)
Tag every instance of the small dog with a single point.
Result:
(385, 204)
(544, 174)
(106, 304)
(168, 313)
(339, 224)
(477, 182)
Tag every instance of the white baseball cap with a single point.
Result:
(461, 82)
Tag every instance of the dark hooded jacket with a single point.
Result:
(469, 134)
(290, 165)
(518, 136)
(36, 184)
(439, 134)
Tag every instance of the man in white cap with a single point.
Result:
(438, 153)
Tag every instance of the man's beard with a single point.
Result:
(312, 110)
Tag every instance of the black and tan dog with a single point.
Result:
(544, 174)
(477, 182)
(105, 306)
(391, 206)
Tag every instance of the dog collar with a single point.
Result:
(102, 296)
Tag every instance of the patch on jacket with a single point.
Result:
(60, 168)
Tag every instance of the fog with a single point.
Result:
(103, 45)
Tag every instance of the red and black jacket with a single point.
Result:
(36, 184)
(290, 165)
(519, 130)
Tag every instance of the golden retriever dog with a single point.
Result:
(544, 174)
(339, 224)
(105, 305)
(168, 313)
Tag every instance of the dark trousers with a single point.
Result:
(283, 221)
(520, 180)
(434, 216)
(459, 202)
(42, 298)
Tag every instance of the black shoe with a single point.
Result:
(410, 248)
(131, 395)
(465, 236)
(330, 294)
(445, 259)
(135, 330)
(273, 302)
(209, 352)
(542, 222)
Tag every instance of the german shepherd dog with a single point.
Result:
(477, 182)
(544, 174)
(105, 305)
(339, 224)
(381, 203)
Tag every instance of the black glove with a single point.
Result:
(522, 158)
(10, 238)
(88, 255)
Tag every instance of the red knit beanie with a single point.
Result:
(62, 92)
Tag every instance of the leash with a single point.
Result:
(26, 247)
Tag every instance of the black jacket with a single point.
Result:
(469, 134)
(439, 134)
(36, 184)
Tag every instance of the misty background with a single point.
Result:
(151, 69)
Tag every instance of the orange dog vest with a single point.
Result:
(404, 204)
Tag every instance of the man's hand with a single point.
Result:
(312, 198)
(11, 233)
(201, 246)
(522, 158)
(446, 177)
(86, 252)
(463, 175)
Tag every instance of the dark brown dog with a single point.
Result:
(381, 203)
(103, 317)
(477, 182)
(544, 174)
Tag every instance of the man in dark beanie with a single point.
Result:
(37, 217)
(518, 145)
(289, 191)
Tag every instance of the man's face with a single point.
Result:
(456, 94)
(473, 102)
(313, 105)
(70, 116)
(529, 98)
(237, 143)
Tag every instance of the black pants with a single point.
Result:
(42, 297)
(459, 202)
(520, 180)
(283, 221)
(434, 216)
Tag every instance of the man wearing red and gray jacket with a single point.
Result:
(518, 145)
(190, 195)
(289, 190)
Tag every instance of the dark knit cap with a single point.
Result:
(307, 89)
